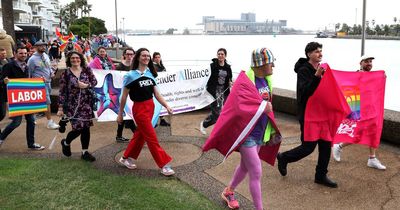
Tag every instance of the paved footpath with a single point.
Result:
(360, 187)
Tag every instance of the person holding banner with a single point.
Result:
(127, 57)
(373, 162)
(140, 85)
(218, 86)
(76, 101)
(159, 66)
(19, 69)
(309, 74)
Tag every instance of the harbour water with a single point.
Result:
(341, 54)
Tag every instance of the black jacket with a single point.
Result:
(11, 70)
(213, 80)
(307, 83)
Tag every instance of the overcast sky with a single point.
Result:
(300, 14)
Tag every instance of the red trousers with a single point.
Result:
(143, 113)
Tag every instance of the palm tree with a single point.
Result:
(68, 14)
(8, 17)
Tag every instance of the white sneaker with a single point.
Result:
(375, 163)
(167, 170)
(128, 162)
(52, 125)
(336, 152)
(202, 128)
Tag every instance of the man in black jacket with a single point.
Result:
(309, 75)
(19, 69)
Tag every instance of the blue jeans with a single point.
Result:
(30, 128)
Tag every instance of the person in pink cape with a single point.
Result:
(247, 125)
(102, 61)
(373, 162)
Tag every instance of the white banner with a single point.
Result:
(183, 88)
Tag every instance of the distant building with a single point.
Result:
(246, 25)
(37, 18)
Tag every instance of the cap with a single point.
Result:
(366, 57)
(261, 56)
(39, 43)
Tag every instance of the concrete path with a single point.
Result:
(360, 187)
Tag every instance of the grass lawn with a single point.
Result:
(74, 184)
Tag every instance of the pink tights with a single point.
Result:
(249, 163)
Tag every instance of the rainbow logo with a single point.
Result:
(352, 96)
(26, 96)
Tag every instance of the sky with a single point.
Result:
(300, 14)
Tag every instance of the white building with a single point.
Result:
(38, 18)
(245, 25)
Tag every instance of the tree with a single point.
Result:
(170, 31)
(68, 14)
(337, 26)
(80, 26)
(8, 17)
(186, 31)
(378, 30)
(395, 20)
(386, 30)
(345, 28)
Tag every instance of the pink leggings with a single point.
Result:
(249, 163)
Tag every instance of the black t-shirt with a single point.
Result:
(141, 89)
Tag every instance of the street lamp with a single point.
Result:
(123, 27)
(363, 27)
(116, 28)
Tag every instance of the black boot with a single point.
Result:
(282, 165)
(324, 180)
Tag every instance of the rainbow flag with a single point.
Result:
(347, 107)
(26, 96)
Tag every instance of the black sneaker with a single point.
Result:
(121, 139)
(88, 157)
(164, 123)
(66, 150)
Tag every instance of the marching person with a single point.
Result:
(309, 73)
(19, 69)
(40, 67)
(159, 66)
(76, 102)
(128, 54)
(373, 162)
(140, 85)
(102, 61)
(218, 86)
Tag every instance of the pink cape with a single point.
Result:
(352, 113)
(238, 117)
(96, 63)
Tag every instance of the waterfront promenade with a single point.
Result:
(360, 187)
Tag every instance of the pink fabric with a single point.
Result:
(367, 129)
(327, 117)
(325, 110)
(239, 108)
(249, 163)
(96, 63)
